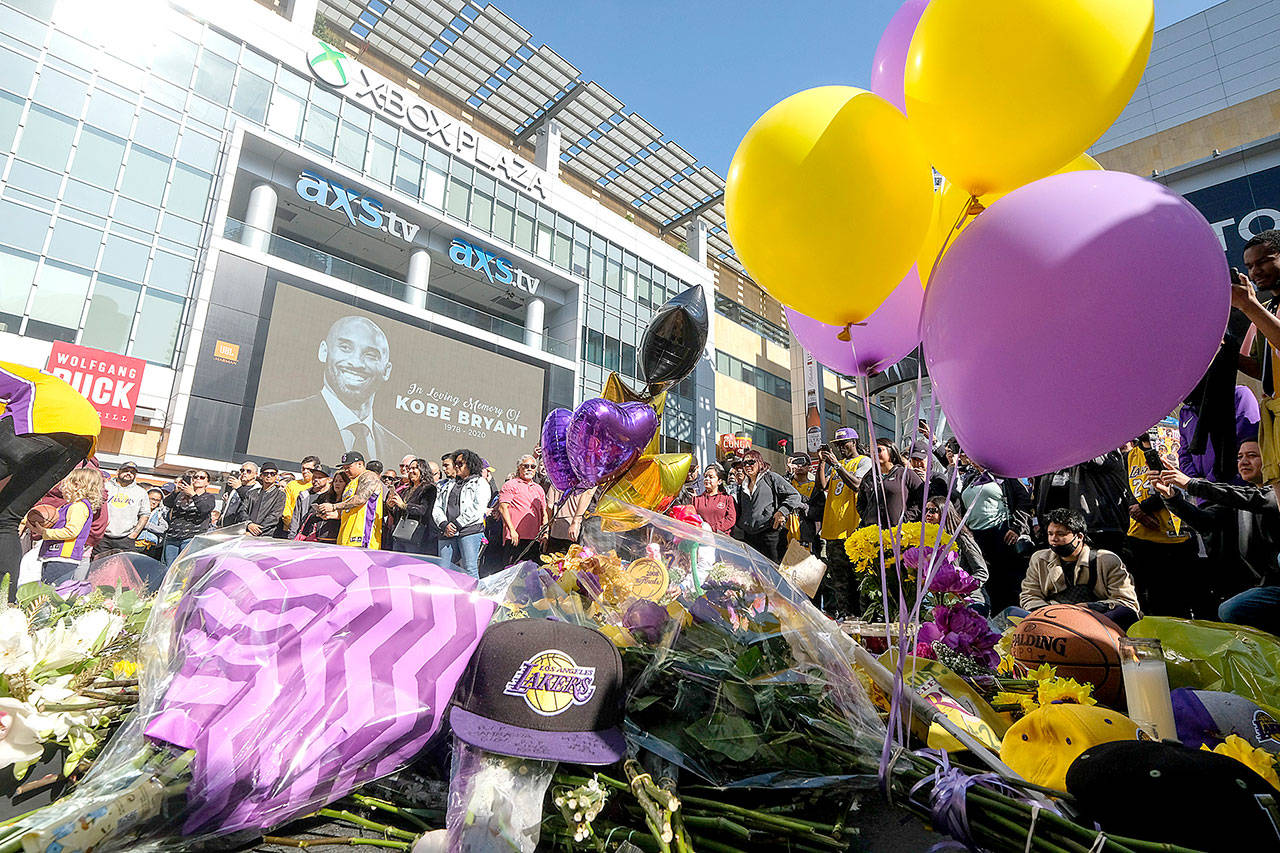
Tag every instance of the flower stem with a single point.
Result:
(391, 808)
(307, 843)
(365, 823)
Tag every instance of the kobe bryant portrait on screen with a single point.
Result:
(339, 416)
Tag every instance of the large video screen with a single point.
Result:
(336, 377)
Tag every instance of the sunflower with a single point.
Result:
(1258, 760)
(1025, 701)
(1043, 672)
(1068, 690)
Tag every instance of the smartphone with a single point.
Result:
(185, 480)
(922, 424)
(1235, 275)
(1154, 462)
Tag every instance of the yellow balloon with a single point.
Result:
(1002, 92)
(827, 199)
(950, 201)
(617, 391)
(653, 482)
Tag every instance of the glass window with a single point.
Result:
(361, 117)
(320, 129)
(458, 196)
(213, 80)
(629, 283)
(110, 315)
(561, 250)
(198, 150)
(595, 346)
(543, 247)
(75, 243)
(433, 186)
(144, 176)
(220, 44)
(382, 157)
(33, 179)
(16, 71)
(524, 231)
(257, 63)
(613, 275)
(408, 172)
(481, 210)
(87, 198)
(612, 354)
(110, 113)
(629, 360)
(98, 158)
(285, 116)
(60, 294)
(175, 59)
(17, 269)
(352, 142)
(158, 324)
(596, 270)
(158, 134)
(170, 272)
(10, 112)
(22, 227)
(140, 216)
(503, 220)
(385, 130)
(125, 258)
(252, 96)
(180, 230)
(46, 141)
(61, 91)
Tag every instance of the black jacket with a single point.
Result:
(1243, 523)
(188, 517)
(1098, 488)
(265, 508)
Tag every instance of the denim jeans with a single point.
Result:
(172, 548)
(1258, 608)
(466, 548)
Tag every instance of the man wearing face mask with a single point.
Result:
(1071, 572)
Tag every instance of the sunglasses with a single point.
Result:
(270, 473)
(526, 465)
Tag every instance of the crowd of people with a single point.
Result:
(1125, 533)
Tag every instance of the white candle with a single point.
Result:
(1146, 687)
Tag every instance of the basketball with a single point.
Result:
(1077, 642)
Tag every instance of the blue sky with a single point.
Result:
(703, 70)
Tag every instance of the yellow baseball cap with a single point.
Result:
(1041, 746)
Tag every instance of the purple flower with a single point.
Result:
(928, 634)
(953, 579)
(964, 630)
(924, 650)
(645, 620)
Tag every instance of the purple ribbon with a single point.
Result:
(948, 796)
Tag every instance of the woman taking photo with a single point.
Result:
(190, 512)
(415, 533)
(461, 505)
(715, 505)
(764, 501)
(893, 496)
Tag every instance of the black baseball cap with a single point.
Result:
(128, 466)
(1166, 792)
(541, 689)
(352, 456)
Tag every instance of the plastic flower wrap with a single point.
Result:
(275, 678)
(716, 643)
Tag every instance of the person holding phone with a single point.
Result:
(1162, 552)
(190, 513)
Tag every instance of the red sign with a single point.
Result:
(734, 443)
(108, 380)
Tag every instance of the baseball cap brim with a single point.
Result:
(602, 747)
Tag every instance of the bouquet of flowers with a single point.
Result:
(958, 635)
(870, 548)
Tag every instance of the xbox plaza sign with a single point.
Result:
(338, 71)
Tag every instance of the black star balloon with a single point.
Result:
(674, 340)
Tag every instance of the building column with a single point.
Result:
(303, 16)
(259, 217)
(696, 240)
(419, 273)
(534, 312)
(547, 149)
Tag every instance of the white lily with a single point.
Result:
(20, 746)
(17, 652)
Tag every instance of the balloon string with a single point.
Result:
(946, 242)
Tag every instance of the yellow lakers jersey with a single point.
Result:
(1140, 484)
(840, 517)
(40, 404)
(361, 526)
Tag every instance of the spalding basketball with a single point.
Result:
(1077, 642)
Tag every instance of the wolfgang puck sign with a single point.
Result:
(106, 379)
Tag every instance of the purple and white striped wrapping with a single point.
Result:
(304, 671)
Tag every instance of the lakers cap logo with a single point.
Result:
(326, 63)
(1265, 726)
(550, 681)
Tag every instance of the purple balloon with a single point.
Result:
(555, 450)
(605, 438)
(1070, 316)
(889, 65)
(881, 341)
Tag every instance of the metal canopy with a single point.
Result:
(481, 57)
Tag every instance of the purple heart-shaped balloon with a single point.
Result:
(555, 450)
(605, 438)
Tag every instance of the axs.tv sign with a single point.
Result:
(359, 209)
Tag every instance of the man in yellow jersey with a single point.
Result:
(46, 429)
(360, 511)
(839, 476)
(1163, 555)
(294, 488)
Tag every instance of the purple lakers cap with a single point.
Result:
(541, 689)
(845, 434)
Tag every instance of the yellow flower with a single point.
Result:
(1052, 690)
(1043, 672)
(1024, 700)
(1258, 760)
(124, 669)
